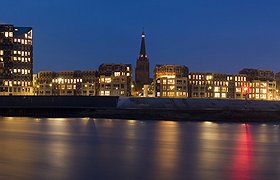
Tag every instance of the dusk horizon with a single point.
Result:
(222, 37)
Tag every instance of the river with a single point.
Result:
(53, 148)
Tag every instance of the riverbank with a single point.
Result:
(140, 108)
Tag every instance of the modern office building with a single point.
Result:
(66, 83)
(171, 81)
(115, 80)
(142, 71)
(16, 60)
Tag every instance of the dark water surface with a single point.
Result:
(33, 148)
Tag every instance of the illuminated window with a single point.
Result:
(171, 81)
(238, 90)
(216, 89)
(108, 80)
(171, 93)
(107, 93)
(217, 95)
(224, 95)
(117, 74)
(1, 52)
(209, 77)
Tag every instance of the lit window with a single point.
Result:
(216, 89)
(117, 74)
(217, 95)
(107, 93)
(108, 80)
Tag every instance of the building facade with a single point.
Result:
(171, 81)
(66, 83)
(258, 74)
(217, 85)
(208, 85)
(16, 60)
(142, 71)
(115, 80)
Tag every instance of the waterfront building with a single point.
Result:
(16, 60)
(66, 83)
(200, 85)
(238, 86)
(277, 79)
(171, 81)
(115, 80)
(208, 85)
(262, 90)
(142, 71)
(216, 85)
(263, 84)
(258, 74)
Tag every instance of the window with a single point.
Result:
(216, 89)
(117, 74)
(217, 95)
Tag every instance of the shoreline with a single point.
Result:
(216, 110)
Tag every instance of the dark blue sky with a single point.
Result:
(205, 35)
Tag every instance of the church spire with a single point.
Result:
(143, 47)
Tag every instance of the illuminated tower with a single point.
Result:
(142, 72)
(16, 60)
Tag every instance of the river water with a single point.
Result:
(32, 148)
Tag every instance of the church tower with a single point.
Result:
(142, 72)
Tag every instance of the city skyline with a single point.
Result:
(200, 35)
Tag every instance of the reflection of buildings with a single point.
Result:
(16, 60)
(66, 83)
(171, 81)
(115, 80)
(142, 71)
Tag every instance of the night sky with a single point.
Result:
(205, 35)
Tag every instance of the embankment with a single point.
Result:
(140, 108)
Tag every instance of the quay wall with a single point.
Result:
(140, 108)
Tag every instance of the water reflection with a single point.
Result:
(242, 155)
(127, 149)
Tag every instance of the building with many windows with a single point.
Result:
(66, 83)
(171, 81)
(16, 60)
(115, 80)
(238, 86)
(258, 74)
(208, 85)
